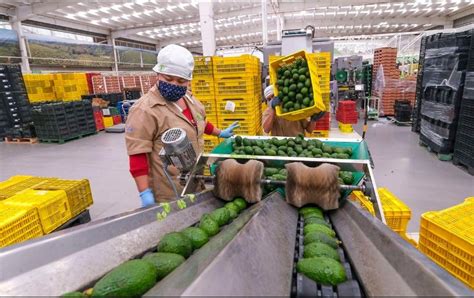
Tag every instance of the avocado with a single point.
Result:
(310, 209)
(299, 97)
(286, 83)
(316, 220)
(296, 76)
(318, 144)
(132, 278)
(334, 155)
(292, 87)
(248, 150)
(208, 225)
(316, 151)
(279, 177)
(348, 151)
(299, 149)
(287, 73)
(318, 236)
(306, 101)
(322, 270)
(164, 262)
(258, 152)
(177, 243)
(326, 155)
(302, 78)
(197, 236)
(318, 249)
(307, 83)
(73, 294)
(302, 70)
(327, 149)
(270, 171)
(304, 91)
(317, 227)
(238, 140)
(241, 203)
(245, 142)
(288, 104)
(232, 206)
(297, 106)
(270, 152)
(283, 172)
(338, 150)
(281, 153)
(221, 216)
(291, 143)
(285, 90)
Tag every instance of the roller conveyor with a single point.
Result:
(253, 255)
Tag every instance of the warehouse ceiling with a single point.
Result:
(239, 22)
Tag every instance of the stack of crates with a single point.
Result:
(397, 214)
(202, 87)
(34, 206)
(447, 237)
(52, 206)
(70, 86)
(237, 84)
(40, 87)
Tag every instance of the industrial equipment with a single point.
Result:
(253, 255)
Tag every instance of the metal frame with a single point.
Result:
(79, 256)
(205, 160)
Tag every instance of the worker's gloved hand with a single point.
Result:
(317, 116)
(228, 132)
(147, 198)
(274, 102)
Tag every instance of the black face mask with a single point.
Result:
(171, 92)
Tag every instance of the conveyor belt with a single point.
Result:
(304, 287)
(253, 255)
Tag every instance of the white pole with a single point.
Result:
(208, 35)
(264, 23)
(25, 64)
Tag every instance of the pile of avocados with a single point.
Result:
(292, 147)
(135, 277)
(294, 86)
(321, 261)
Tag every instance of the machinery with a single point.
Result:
(253, 255)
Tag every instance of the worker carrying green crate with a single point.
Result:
(282, 127)
(168, 104)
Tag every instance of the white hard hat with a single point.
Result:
(268, 91)
(175, 60)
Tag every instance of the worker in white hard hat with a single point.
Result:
(167, 105)
(280, 127)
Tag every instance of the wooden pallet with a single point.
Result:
(9, 140)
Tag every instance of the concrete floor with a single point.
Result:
(416, 176)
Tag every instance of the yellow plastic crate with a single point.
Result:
(203, 67)
(209, 103)
(13, 180)
(326, 96)
(317, 97)
(247, 126)
(243, 106)
(108, 121)
(52, 205)
(447, 237)
(230, 66)
(363, 200)
(347, 128)
(322, 61)
(19, 185)
(320, 134)
(237, 86)
(202, 87)
(18, 224)
(210, 142)
(79, 195)
(397, 214)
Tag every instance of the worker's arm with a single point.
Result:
(140, 132)
(268, 118)
(139, 170)
(226, 133)
(269, 114)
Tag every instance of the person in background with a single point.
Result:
(279, 126)
(168, 104)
